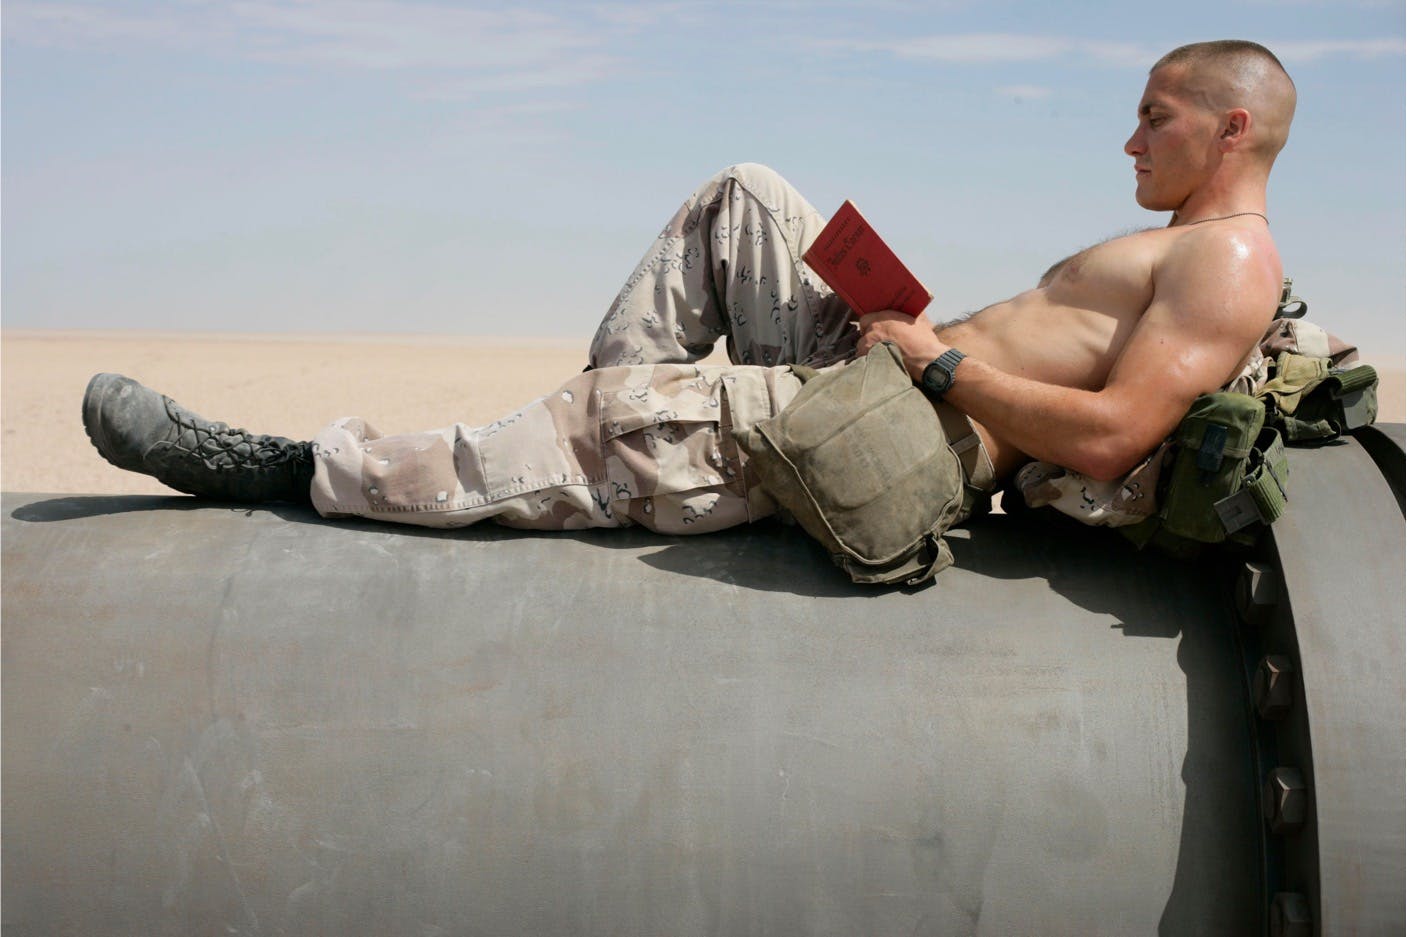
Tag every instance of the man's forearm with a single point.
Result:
(1077, 429)
(1097, 433)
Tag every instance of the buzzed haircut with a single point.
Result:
(1219, 49)
(1228, 73)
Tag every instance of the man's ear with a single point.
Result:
(1235, 128)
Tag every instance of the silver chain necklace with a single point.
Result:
(1224, 217)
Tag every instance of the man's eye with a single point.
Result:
(1156, 121)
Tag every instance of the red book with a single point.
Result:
(861, 268)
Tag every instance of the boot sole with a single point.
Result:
(93, 399)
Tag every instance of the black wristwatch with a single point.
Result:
(938, 376)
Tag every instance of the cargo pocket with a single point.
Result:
(671, 464)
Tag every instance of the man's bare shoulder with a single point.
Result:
(1233, 265)
(1226, 243)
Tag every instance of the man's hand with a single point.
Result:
(913, 335)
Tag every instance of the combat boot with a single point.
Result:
(139, 430)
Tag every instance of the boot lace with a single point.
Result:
(223, 448)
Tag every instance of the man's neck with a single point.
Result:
(1181, 219)
(1216, 202)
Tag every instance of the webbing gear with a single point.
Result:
(1309, 393)
(1238, 484)
(1313, 402)
(1228, 471)
(1262, 497)
(1307, 400)
(979, 475)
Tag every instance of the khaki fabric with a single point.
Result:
(728, 265)
(644, 436)
(649, 445)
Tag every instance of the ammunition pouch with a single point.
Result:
(1312, 402)
(1227, 473)
(1223, 474)
(860, 459)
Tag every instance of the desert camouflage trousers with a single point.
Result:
(644, 436)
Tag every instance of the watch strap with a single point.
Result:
(949, 359)
(944, 363)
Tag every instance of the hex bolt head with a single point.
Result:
(1284, 800)
(1270, 687)
(1257, 592)
(1289, 915)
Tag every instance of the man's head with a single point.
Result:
(1213, 115)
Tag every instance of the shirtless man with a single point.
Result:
(1095, 366)
(1090, 370)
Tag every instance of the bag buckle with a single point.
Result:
(1290, 306)
(1238, 511)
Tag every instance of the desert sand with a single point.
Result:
(290, 385)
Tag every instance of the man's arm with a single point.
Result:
(1214, 294)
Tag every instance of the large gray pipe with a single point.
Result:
(231, 721)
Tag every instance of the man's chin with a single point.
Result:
(1152, 202)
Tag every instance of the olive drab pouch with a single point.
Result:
(1223, 474)
(1315, 391)
(860, 460)
(1228, 472)
(1312, 402)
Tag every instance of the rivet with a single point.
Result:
(1270, 687)
(1257, 592)
(1284, 800)
(1289, 915)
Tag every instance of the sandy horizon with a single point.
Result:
(286, 384)
(292, 385)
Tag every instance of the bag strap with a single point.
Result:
(1345, 382)
(1263, 494)
(931, 558)
(1343, 401)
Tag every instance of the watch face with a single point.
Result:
(937, 378)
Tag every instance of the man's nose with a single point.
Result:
(1134, 145)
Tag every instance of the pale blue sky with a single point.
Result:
(497, 169)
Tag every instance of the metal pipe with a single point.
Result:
(253, 721)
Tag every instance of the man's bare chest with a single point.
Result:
(1113, 278)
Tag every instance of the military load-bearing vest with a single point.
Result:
(1228, 477)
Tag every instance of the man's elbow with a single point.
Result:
(1121, 436)
(1110, 458)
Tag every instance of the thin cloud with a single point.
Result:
(1025, 92)
(460, 87)
(1015, 48)
(999, 48)
(1314, 50)
(505, 45)
(981, 47)
(70, 25)
(1327, 4)
(376, 34)
(638, 16)
(518, 128)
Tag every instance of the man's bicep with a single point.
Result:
(1191, 340)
